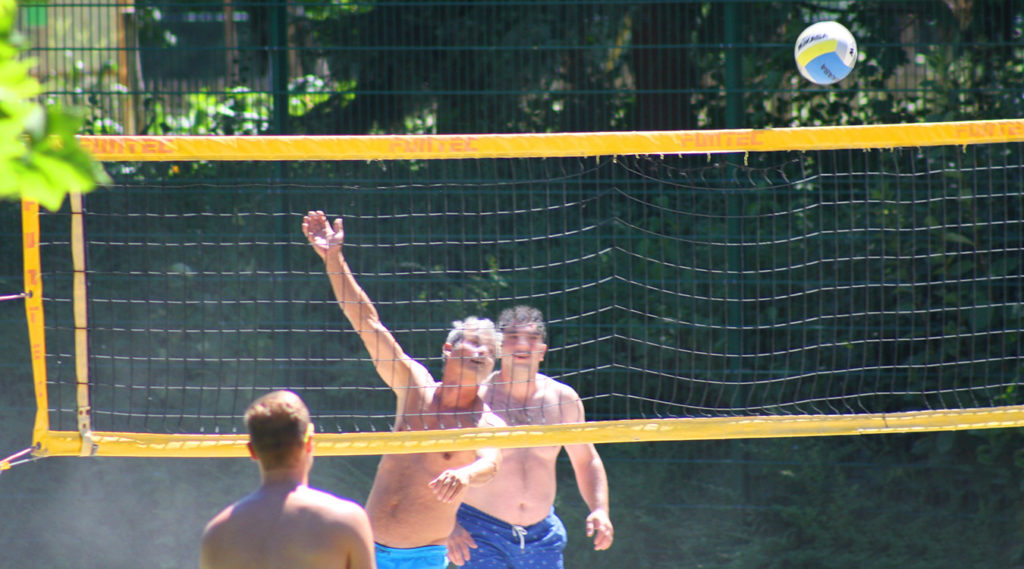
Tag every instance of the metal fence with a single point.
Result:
(447, 66)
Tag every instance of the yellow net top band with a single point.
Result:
(454, 146)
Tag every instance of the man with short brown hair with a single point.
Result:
(285, 522)
(511, 522)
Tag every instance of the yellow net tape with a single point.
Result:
(226, 148)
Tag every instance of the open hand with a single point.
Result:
(449, 485)
(321, 235)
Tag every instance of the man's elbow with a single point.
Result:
(489, 466)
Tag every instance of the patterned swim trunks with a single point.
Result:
(501, 545)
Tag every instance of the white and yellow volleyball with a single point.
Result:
(825, 52)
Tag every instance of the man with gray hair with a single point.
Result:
(414, 498)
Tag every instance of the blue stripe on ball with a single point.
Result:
(827, 69)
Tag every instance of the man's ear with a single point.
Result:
(446, 350)
(307, 439)
(252, 453)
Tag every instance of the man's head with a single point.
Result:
(279, 429)
(523, 335)
(523, 317)
(475, 341)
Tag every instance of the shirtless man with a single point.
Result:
(511, 522)
(414, 498)
(285, 523)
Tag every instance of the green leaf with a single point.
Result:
(8, 181)
(37, 187)
(40, 157)
(16, 82)
(62, 175)
(10, 146)
(957, 238)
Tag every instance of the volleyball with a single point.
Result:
(825, 52)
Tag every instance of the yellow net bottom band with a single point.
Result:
(63, 443)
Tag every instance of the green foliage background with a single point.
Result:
(946, 500)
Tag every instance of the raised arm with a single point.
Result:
(396, 368)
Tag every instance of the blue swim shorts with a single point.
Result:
(426, 557)
(501, 545)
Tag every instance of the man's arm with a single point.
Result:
(358, 538)
(451, 484)
(396, 368)
(591, 477)
(211, 554)
(592, 481)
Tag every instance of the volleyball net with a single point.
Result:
(697, 285)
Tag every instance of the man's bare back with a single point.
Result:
(287, 526)
(285, 522)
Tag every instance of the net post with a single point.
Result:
(33, 284)
(81, 325)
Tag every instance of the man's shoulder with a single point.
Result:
(419, 374)
(559, 388)
(329, 498)
(233, 512)
(489, 418)
(216, 522)
(334, 506)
